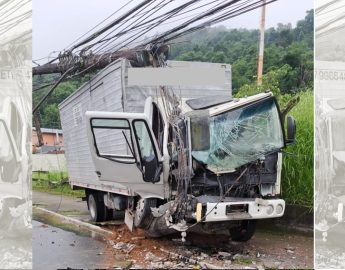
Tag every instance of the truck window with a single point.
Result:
(112, 138)
(146, 148)
(158, 126)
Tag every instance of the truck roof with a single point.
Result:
(220, 107)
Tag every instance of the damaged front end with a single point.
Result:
(225, 167)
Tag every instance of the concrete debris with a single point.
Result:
(125, 247)
(203, 255)
(138, 238)
(260, 267)
(224, 255)
(152, 258)
(227, 263)
(290, 248)
(237, 256)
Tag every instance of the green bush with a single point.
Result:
(298, 165)
(55, 183)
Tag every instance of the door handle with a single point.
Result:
(98, 174)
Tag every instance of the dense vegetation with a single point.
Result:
(288, 72)
(287, 50)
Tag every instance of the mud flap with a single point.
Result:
(129, 220)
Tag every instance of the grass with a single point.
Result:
(55, 183)
(298, 164)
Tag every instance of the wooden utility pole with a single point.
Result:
(92, 62)
(262, 43)
(36, 120)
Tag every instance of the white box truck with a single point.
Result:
(203, 159)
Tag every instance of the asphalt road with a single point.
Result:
(55, 248)
(61, 204)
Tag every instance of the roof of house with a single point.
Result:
(49, 130)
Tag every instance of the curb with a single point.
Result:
(93, 228)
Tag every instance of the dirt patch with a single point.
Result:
(265, 250)
(142, 246)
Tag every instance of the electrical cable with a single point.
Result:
(93, 28)
(109, 26)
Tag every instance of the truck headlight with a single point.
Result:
(269, 209)
(279, 209)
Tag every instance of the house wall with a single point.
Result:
(48, 139)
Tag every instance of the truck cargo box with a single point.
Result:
(109, 91)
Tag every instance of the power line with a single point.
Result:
(51, 90)
(101, 46)
(109, 26)
(93, 28)
(131, 28)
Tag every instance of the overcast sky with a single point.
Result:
(58, 23)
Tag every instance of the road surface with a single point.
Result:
(55, 248)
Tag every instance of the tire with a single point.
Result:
(244, 232)
(143, 216)
(110, 214)
(97, 208)
(150, 234)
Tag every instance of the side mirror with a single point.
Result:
(151, 169)
(291, 130)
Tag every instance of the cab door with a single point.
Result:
(123, 148)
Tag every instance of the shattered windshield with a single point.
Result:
(237, 137)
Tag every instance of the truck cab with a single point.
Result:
(213, 162)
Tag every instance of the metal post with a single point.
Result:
(262, 43)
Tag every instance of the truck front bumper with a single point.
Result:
(240, 209)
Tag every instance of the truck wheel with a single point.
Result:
(110, 214)
(244, 232)
(97, 207)
(143, 216)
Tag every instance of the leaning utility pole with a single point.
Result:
(91, 62)
(262, 44)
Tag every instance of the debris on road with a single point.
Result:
(260, 253)
(125, 247)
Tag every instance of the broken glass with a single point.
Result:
(238, 136)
